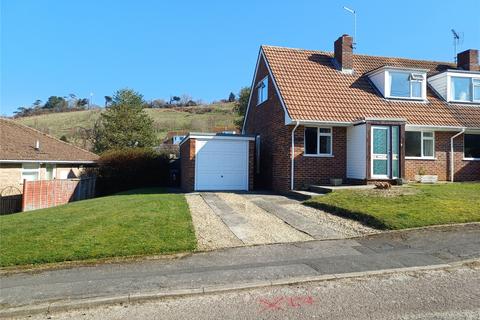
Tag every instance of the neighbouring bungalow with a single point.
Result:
(320, 115)
(28, 154)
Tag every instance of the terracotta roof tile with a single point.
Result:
(313, 89)
(17, 142)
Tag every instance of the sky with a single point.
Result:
(205, 49)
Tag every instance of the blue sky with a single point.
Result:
(202, 48)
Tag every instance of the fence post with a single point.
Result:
(24, 198)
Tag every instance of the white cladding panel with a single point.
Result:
(357, 152)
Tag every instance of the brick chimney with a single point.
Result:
(468, 60)
(344, 53)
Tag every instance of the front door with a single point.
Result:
(385, 151)
(380, 152)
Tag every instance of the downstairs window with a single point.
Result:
(419, 144)
(471, 146)
(318, 141)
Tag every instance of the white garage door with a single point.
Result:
(221, 164)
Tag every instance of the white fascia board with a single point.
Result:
(251, 90)
(49, 161)
(287, 118)
(388, 68)
(226, 137)
(417, 127)
(323, 123)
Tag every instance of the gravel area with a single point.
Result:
(257, 226)
(263, 227)
(210, 230)
(347, 227)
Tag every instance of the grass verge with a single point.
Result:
(405, 207)
(134, 223)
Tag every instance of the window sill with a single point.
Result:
(318, 155)
(475, 102)
(471, 159)
(420, 158)
(407, 99)
(259, 104)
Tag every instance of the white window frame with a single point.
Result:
(422, 138)
(30, 170)
(412, 77)
(474, 82)
(319, 134)
(262, 91)
(470, 158)
(54, 170)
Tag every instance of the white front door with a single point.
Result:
(385, 152)
(221, 164)
(380, 154)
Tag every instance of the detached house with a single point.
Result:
(319, 115)
(28, 154)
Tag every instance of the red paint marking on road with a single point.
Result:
(271, 305)
(287, 302)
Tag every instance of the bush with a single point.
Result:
(120, 170)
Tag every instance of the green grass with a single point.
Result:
(73, 124)
(413, 206)
(138, 222)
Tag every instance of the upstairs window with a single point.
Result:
(262, 91)
(465, 89)
(318, 141)
(406, 85)
(419, 144)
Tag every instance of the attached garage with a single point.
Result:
(216, 162)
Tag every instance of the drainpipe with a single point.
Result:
(292, 174)
(452, 157)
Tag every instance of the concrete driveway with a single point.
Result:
(224, 219)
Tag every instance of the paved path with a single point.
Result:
(246, 264)
(427, 295)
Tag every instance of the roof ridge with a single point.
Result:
(360, 54)
(46, 135)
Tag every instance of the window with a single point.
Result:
(471, 146)
(406, 85)
(318, 141)
(465, 89)
(419, 144)
(476, 89)
(461, 89)
(262, 91)
(49, 171)
(30, 171)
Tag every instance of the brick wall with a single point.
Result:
(319, 170)
(187, 165)
(49, 193)
(251, 164)
(464, 170)
(268, 121)
(11, 176)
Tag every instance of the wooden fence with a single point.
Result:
(10, 204)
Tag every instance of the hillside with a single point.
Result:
(76, 126)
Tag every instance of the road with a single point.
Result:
(242, 266)
(441, 294)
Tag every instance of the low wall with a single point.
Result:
(50, 193)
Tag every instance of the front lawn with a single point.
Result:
(407, 206)
(138, 222)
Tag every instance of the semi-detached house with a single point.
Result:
(318, 115)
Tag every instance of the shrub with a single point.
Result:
(120, 170)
